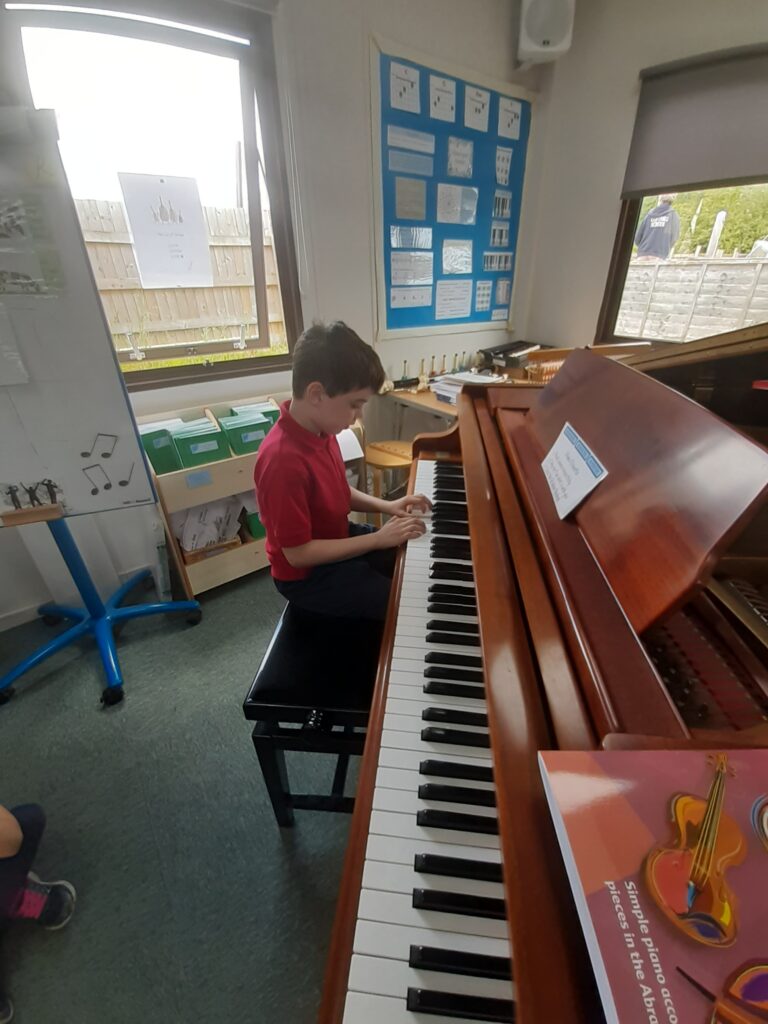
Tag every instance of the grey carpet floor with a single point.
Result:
(192, 905)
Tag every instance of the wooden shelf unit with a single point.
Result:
(186, 488)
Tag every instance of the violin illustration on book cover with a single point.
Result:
(667, 856)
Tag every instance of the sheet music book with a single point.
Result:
(667, 856)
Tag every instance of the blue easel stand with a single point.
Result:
(97, 617)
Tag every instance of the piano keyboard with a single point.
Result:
(431, 942)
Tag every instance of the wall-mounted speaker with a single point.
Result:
(546, 28)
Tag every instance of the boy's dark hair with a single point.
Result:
(338, 358)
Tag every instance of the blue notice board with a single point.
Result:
(452, 168)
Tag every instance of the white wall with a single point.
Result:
(591, 111)
(324, 66)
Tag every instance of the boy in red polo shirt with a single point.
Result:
(320, 561)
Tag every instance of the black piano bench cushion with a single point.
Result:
(317, 661)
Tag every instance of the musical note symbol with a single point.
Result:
(105, 441)
(92, 474)
(124, 483)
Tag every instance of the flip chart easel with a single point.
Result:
(69, 440)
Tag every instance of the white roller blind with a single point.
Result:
(701, 122)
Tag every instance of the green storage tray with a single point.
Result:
(160, 450)
(265, 408)
(197, 447)
(256, 530)
(245, 432)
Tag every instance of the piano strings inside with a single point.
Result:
(640, 620)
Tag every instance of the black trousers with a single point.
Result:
(356, 588)
(14, 870)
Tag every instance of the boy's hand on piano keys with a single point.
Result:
(398, 530)
(411, 504)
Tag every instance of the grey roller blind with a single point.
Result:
(701, 122)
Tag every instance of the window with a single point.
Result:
(170, 139)
(698, 265)
(690, 259)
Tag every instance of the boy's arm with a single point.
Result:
(395, 532)
(10, 834)
(359, 501)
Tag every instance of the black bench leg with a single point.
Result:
(272, 761)
(340, 775)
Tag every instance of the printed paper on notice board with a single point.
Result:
(572, 470)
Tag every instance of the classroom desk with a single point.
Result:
(424, 401)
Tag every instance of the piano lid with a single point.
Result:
(681, 482)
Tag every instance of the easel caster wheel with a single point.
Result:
(52, 620)
(195, 618)
(112, 695)
(5, 695)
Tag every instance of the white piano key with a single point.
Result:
(414, 709)
(403, 878)
(421, 644)
(428, 748)
(385, 977)
(409, 803)
(397, 908)
(415, 692)
(380, 938)
(364, 1008)
(398, 850)
(414, 723)
(388, 823)
(408, 778)
(396, 757)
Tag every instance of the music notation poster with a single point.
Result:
(446, 145)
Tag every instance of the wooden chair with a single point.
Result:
(384, 455)
(312, 692)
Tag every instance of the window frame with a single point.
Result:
(258, 84)
(605, 332)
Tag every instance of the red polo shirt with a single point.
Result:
(302, 491)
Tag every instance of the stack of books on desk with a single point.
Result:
(447, 387)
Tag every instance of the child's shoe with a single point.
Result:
(51, 904)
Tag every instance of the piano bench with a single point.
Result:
(312, 692)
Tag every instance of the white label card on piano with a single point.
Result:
(572, 470)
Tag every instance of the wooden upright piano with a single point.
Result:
(510, 631)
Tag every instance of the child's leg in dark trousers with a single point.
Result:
(14, 870)
(357, 588)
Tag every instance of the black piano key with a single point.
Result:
(448, 548)
(457, 867)
(458, 595)
(449, 658)
(454, 675)
(445, 689)
(448, 497)
(438, 566)
(450, 961)
(446, 553)
(442, 608)
(445, 902)
(451, 1004)
(451, 770)
(453, 511)
(460, 639)
(449, 626)
(460, 737)
(458, 821)
(450, 528)
(453, 716)
(449, 574)
(457, 794)
(448, 484)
